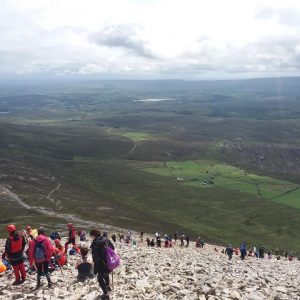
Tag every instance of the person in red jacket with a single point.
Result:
(71, 237)
(14, 248)
(40, 252)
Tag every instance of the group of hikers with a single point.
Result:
(43, 256)
(261, 252)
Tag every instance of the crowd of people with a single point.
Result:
(32, 251)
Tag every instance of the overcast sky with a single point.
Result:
(188, 39)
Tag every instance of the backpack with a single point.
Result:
(39, 252)
(112, 259)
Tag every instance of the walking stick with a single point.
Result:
(57, 260)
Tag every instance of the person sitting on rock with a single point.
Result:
(59, 254)
(98, 247)
(40, 253)
(84, 265)
(14, 249)
(229, 252)
(197, 244)
(71, 237)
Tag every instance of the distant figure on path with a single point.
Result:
(243, 250)
(187, 238)
(148, 242)
(182, 241)
(229, 251)
(261, 252)
(175, 236)
(142, 236)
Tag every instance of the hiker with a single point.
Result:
(202, 242)
(59, 254)
(84, 265)
(59, 249)
(31, 233)
(82, 236)
(175, 236)
(71, 237)
(40, 252)
(243, 250)
(229, 251)
(187, 238)
(270, 255)
(181, 241)
(142, 236)
(114, 238)
(158, 242)
(261, 252)
(148, 241)
(98, 247)
(197, 244)
(14, 248)
(152, 243)
(55, 236)
(166, 242)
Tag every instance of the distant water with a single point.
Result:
(153, 100)
(4, 112)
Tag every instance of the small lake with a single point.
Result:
(153, 100)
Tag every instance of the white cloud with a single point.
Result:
(159, 38)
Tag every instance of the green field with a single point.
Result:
(220, 161)
(209, 174)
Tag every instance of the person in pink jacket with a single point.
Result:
(40, 252)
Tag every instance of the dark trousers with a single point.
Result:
(103, 279)
(43, 269)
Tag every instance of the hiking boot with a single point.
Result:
(17, 282)
(105, 297)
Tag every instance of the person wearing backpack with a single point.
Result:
(71, 237)
(40, 252)
(14, 249)
(98, 247)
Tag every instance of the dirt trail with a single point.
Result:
(12, 196)
(132, 149)
(9, 195)
(52, 192)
